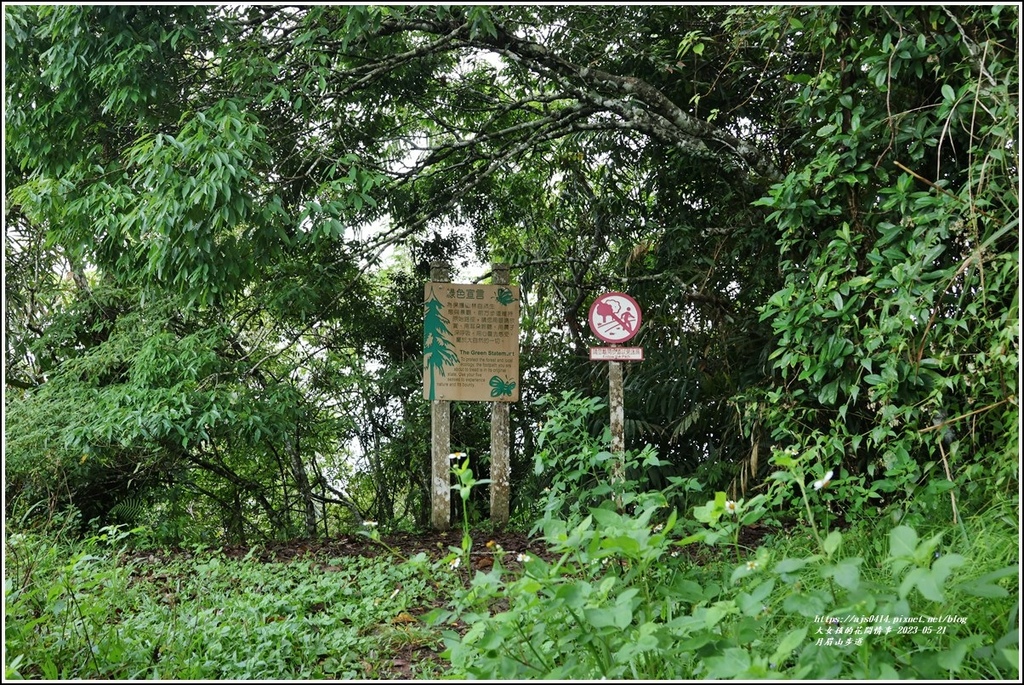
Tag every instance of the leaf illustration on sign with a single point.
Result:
(437, 345)
(501, 387)
(504, 296)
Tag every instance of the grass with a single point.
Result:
(89, 609)
(103, 614)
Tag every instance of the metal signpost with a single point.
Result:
(615, 318)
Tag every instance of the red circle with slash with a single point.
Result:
(615, 317)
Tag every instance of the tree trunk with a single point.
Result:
(302, 483)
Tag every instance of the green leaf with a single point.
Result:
(804, 604)
(622, 544)
(618, 616)
(789, 565)
(734, 662)
(573, 594)
(952, 657)
(846, 573)
(926, 582)
(788, 643)
(606, 518)
(902, 542)
(832, 542)
(751, 604)
(983, 586)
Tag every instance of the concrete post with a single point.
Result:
(440, 439)
(617, 424)
(500, 465)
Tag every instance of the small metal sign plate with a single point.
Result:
(616, 354)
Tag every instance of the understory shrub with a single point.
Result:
(622, 596)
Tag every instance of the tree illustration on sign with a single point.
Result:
(437, 346)
(611, 309)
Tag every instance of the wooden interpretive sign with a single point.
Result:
(471, 342)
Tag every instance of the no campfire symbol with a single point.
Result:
(614, 317)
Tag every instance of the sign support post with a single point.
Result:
(618, 422)
(440, 440)
(500, 468)
(615, 318)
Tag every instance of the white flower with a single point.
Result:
(823, 483)
(523, 558)
(730, 506)
(657, 528)
(455, 562)
(456, 455)
(370, 524)
(751, 565)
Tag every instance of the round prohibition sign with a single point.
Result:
(615, 317)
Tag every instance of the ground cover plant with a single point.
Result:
(645, 591)
(93, 609)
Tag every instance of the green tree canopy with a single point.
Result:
(219, 220)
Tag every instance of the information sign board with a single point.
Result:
(471, 342)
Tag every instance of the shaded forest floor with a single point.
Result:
(406, 660)
(434, 544)
(409, 660)
(397, 658)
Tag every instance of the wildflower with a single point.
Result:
(823, 483)
(456, 562)
(674, 553)
(730, 506)
(657, 528)
(456, 455)
(522, 558)
(751, 565)
(370, 524)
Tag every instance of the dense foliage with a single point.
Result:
(599, 594)
(218, 221)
